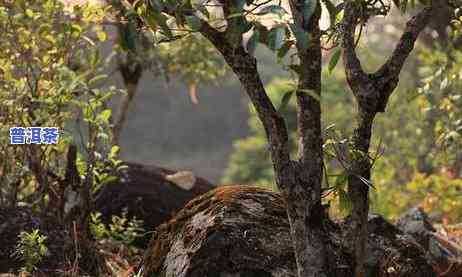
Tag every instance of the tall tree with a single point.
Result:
(299, 179)
(371, 91)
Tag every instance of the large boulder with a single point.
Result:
(243, 231)
(150, 193)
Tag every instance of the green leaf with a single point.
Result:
(301, 36)
(285, 101)
(444, 84)
(276, 37)
(160, 19)
(308, 9)
(344, 201)
(284, 49)
(275, 9)
(334, 59)
(156, 5)
(341, 181)
(114, 151)
(105, 115)
(29, 13)
(311, 93)
(332, 12)
(97, 78)
(235, 15)
(236, 29)
(101, 35)
(193, 22)
(240, 5)
(253, 42)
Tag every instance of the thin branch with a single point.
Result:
(245, 67)
(392, 67)
(353, 68)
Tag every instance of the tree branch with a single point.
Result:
(353, 69)
(392, 67)
(245, 68)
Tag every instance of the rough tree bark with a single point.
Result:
(300, 180)
(310, 153)
(131, 71)
(371, 92)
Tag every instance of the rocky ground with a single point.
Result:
(237, 231)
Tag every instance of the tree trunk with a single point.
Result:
(358, 188)
(308, 232)
(123, 111)
(131, 71)
(371, 92)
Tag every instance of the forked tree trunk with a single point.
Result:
(300, 180)
(372, 92)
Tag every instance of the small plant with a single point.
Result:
(31, 249)
(122, 230)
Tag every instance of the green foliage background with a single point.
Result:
(418, 140)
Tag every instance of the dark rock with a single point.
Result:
(240, 230)
(415, 222)
(149, 193)
(445, 259)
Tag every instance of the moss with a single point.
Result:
(208, 203)
(245, 230)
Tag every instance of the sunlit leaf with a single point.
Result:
(193, 22)
(285, 101)
(253, 42)
(101, 35)
(344, 201)
(334, 59)
(341, 181)
(332, 12)
(160, 19)
(29, 13)
(311, 93)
